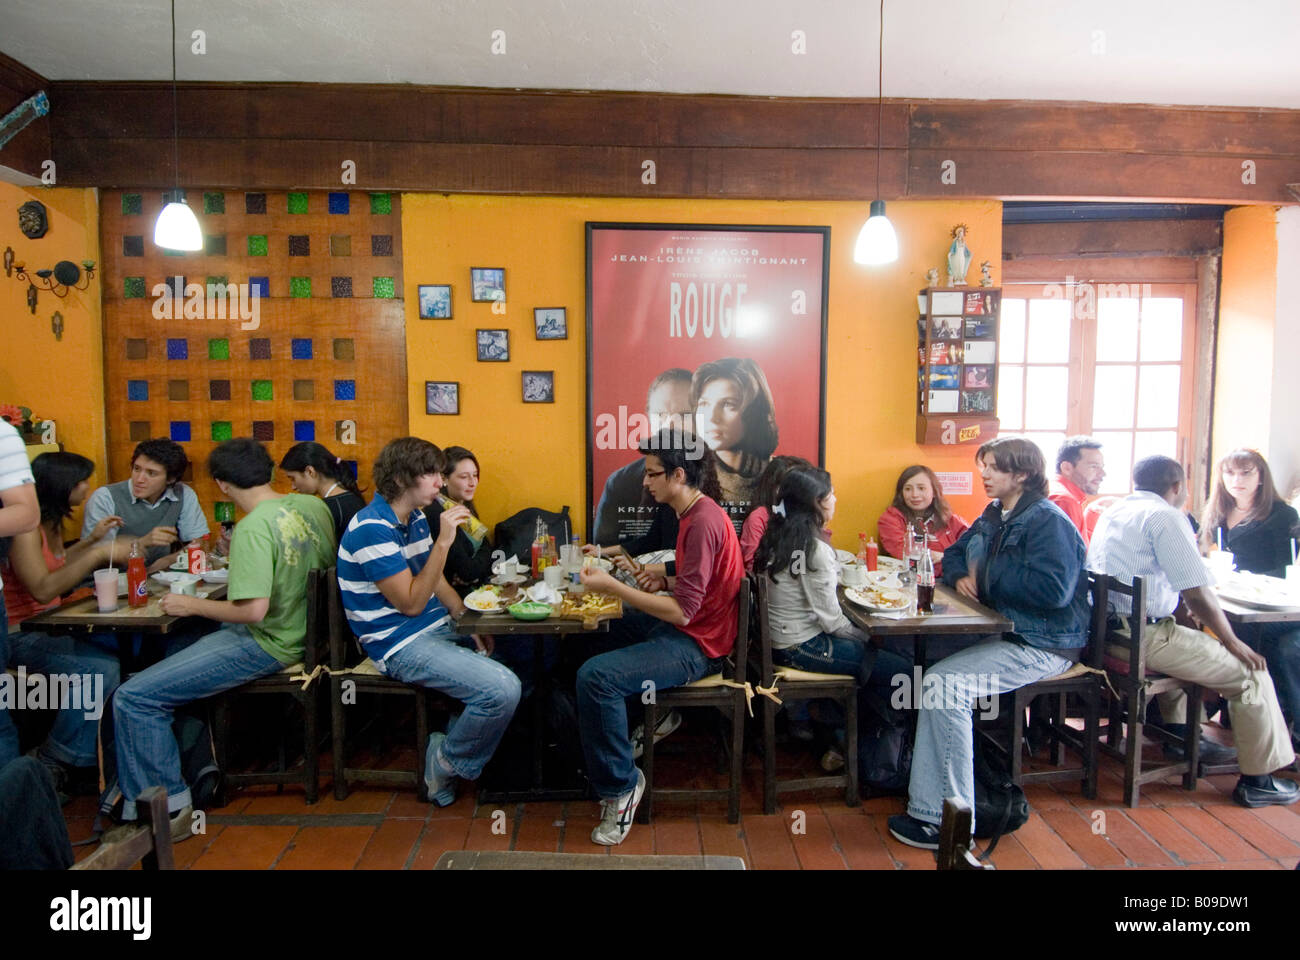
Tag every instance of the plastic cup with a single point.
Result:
(553, 576)
(855, 575)
(1221, 562)
(106, 590)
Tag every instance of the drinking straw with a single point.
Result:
(1219, 533)
(112, 539)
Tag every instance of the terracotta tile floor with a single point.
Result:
(386, 829)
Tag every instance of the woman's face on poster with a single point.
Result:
(719, 415)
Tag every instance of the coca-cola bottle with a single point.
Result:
(925, 582)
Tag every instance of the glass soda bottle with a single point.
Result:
(137, 591)
(925, 582)
(540, 543)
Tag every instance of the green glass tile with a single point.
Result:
(214, 203)
(300, 286)
(216, 281)
(381, 203)
(257, 245)
(132, 203)
(383, 288)
(297, 203)
(262, 390)
(219, 349)
(132, 287)
(223, 511)
(221, 430)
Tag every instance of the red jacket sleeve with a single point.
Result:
(1070, 507)
(751, 533)
(891, 527)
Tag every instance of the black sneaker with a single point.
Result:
(1278, 791)
(1210, 752)
(915, 833)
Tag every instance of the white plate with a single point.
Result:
(502, 581)
(879, 578)
(843, 556)
(1254, 590)
(217, 576)
(857, 598)
(479, 601)
(174, 576)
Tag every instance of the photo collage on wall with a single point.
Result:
(958, 352)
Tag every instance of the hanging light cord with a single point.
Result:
(176, 123)
(880, 89)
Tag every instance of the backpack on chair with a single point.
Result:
(514, 535)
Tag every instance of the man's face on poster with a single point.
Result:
(669, 405)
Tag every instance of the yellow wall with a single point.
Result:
(62, 380)
(534, 454)
(1247, 311)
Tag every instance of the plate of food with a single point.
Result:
(590, 607)
(1256, 590)
(603, 562)
(883, 599)
(486, 600)
(528, 610)
(890, 563)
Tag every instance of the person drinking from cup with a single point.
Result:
(469, 558)
(156, 508)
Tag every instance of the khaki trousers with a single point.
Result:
(1263, 743)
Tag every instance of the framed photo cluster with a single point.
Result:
(957, 341)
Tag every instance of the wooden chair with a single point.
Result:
(149, 845)
(1084, 680)
(801, 685)
(1134, 687)
(954, 838)
(730, 695)
(348, 664)
(299, 682)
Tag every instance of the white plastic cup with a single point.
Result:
(106, 590)
(1221, 562)
(553, 576)
(855, 575)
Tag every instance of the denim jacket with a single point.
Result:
(1029, 568)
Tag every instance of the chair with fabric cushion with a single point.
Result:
(1134, 686)
(301, 682)
(730, 693)
(777, 685)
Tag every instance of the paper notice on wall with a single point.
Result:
(955, 484)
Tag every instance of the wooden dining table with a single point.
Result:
(953, 615)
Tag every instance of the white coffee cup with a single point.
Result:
(106, 590)
(553, 576)
(188, 587)
(507, 569)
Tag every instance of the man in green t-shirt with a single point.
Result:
(281, 538)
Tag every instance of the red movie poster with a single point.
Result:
(720, 329)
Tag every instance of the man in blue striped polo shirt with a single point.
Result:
(401, 607)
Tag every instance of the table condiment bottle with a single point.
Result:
(873, 554)
(137, 593)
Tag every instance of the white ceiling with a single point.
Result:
(1212, 52)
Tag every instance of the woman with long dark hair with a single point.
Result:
(765, 497)
(919, 504)
(469, 560)
(735, 416)
(38, 572)
(315, 471)
(1252, 521)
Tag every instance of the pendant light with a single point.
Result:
(177, 227)
(877, 241)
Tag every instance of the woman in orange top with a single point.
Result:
(918, 501)
(38, 572)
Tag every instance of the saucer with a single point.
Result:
(502, 581)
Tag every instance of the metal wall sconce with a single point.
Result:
(64, 276)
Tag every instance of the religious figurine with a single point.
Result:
(986, 274)
(56, 325)
(31, 298)
(958, 257)
(932, 277)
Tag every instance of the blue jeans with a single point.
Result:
(828, 653)
(1279, 644)
(647, 649)
(8, 734)
(72, 739)
(147, 754)
(943, 756)
(488, 689)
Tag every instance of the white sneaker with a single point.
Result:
(616, 816)
(668, 723)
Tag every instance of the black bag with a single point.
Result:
(1000, 805)
(884, 746)
(514, 536)
(198, 764)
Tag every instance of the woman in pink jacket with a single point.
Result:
(918, 501)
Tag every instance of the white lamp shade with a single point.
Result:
(177, 228)
(877, 241)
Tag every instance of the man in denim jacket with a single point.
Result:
(1025, 559)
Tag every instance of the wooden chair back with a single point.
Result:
(1109, 632)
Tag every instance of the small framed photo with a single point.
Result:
(539, 386)
(487, 284)
(978, 378)
(945, 377)
(946, 328)
(551, 323)
(435, 301)
(493, 345)
(441, 397)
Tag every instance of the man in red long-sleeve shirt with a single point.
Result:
(1079, 472)
(667, 640)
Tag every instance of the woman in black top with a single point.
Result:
(469, 560)
(1257, 527)
(315, 471)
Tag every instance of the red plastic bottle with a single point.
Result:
(873, 554)
(137, 593)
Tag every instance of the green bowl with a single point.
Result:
(528, 610)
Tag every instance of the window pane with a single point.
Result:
(1158, 396)
(1012, 347)
(1162, 328)
(1117, 329)
(1049, 331)
(1011, 397)
(1045, 398)
(1116, 452)
(1113, 397)
(1049, 443)
(1155, 442)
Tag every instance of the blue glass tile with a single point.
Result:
(304, 430)
(137, 389)
(345, 389)
(259, 286)
(351, 466)
(301, 348)
(180, 430)
(178, 349)
(339, 203)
